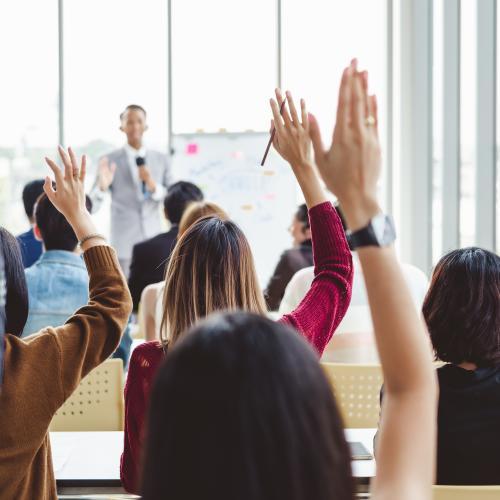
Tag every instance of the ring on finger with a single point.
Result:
(370, 121)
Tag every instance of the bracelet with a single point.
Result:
(89, 237)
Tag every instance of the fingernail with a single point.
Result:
(288, 93)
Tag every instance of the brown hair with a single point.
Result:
(211, 269)
(196, 210)
(462, 307)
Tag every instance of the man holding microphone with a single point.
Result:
(137, 180)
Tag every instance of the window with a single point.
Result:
(437, 177)
(29, 100)
(224, 56)
(115, 54)
(468, 44)
(319, 40)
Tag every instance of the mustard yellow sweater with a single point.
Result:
(41, 372)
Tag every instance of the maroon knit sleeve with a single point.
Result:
(326, 302)
(144, 363)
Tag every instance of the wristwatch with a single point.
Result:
(379, 232)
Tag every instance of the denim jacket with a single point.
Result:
(58, 285)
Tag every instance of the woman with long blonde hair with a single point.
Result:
(151, 305)
(212, 269)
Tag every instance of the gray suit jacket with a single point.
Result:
(134, 216)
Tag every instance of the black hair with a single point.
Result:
(31, 192)
(179, 195)
(132, 107)
(462, 307)
(302, 215)
(16, 304)
(241, 409)
(56, 232)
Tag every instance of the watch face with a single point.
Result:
(379, 226)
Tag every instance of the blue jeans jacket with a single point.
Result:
(58, 285)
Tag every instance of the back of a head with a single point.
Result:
(31, 192)
(210, 269)
(16, 303)
(302, 215)
(179, 195)
(197, 210)
(55, 230)
(242, 409)
(462, 307)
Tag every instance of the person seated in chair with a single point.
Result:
(291, 260)
(149, 257)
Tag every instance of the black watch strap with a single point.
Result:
(379, 232)
(364, 237)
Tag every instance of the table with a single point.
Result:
(89, 462)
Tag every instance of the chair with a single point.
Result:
(96, 404)
(357, 392)
(466, 492)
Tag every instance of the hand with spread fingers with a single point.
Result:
(106, 173)
(350, 168)
(69, 193)
(291, 139)
(292, 142)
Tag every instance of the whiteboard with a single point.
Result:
(261, 200)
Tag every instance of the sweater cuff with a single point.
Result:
(100, 257)
(321, 208)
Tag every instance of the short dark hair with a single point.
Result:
(56, 232)
(462, 307)
(132, 107)
(242, 405)
(302, 215)
(16, 303)
(179, 195)
(31, 192)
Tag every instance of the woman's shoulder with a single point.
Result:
(148, 354)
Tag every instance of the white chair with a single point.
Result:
(96, 404)
(466, 493)
(357, 392)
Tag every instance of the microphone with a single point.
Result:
(140, 162)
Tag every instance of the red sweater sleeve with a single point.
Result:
(144, 362)
(326, 302)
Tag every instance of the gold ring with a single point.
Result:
(370, 121)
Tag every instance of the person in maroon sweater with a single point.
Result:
(212, 269)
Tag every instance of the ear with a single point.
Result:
(307, 233)
(37, 233)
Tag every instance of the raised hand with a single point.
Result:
(291, 139)
(350, 168)
(292, 142)
(106, 173)
(69, 193)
